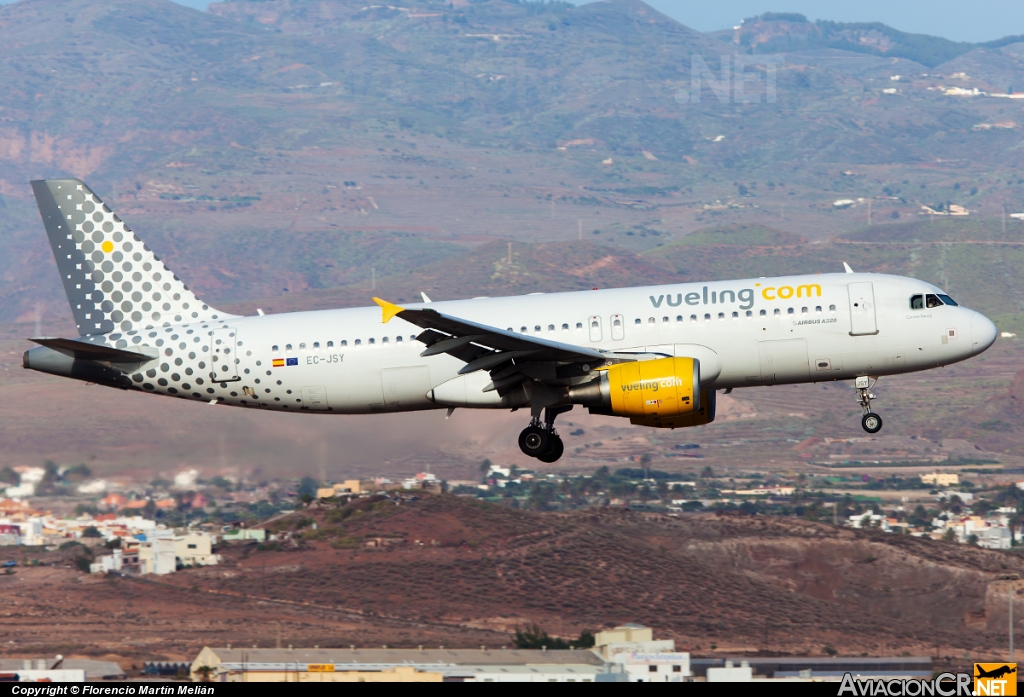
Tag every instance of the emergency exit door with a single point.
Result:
(862, 309)
(223, 363)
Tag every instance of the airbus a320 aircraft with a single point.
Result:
(655, 355)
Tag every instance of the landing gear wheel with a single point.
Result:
(872, 423)
(534, 441)
(557, 448)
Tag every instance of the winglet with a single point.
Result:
(847, 267)
(389, 309)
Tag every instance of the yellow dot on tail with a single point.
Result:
(107, 246)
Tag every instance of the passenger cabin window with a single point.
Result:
(565, 327)
(735, 315)
(932, 301)
(522, 330)
(316, 344)
(302, 346)
(831, 308)
(790, 311)
(664, 320)
(551, 327)
(287, 347)
(372, 341)
(536, 328)
(637, 321)
(274, 348)
(398, 339)
(679, 318)
(384, 340)
(330, 344)
(359, 342)
(944, 298)
(344, 342)
(762, 313)
(777, 312)
(707, 317)
(693, 318)
(916, 302)
(579, 326)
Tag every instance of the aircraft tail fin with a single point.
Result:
(112, 279)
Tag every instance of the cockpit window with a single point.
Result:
(932, 301)
(947, 300)
(916, 302)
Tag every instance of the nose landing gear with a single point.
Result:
(540, 440)
(871, 422)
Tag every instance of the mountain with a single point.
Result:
(278, 146)
(790, 31)
(782, 584)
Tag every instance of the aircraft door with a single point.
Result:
(783, 361)
(223, 361)
(618, 327)
(862, 309)
(595, 328)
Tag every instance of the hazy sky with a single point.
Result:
(978, 20)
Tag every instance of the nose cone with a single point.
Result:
(983, 333)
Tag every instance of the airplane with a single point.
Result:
(995, 672)
(656, 355)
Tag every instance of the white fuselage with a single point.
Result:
(747, 332)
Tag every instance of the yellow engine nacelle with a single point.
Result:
(663, 393)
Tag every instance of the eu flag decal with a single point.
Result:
(291, 361)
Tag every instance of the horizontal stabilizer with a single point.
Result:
(84, 350)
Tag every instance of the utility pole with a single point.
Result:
(1010, 578)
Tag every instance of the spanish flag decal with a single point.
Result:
(278, 362)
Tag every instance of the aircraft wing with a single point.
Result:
(511, 358)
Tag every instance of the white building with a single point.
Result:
(632, 649)
(731, 673)
(195, 549)
(32, 532)
(157, 557)
(107, 563)
(659, 666)
(869, 519)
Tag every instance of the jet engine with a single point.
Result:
(663, 393)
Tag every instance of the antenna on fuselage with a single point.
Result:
(847, 267)
(425, 298)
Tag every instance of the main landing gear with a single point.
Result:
(540, 440)
(871, 422)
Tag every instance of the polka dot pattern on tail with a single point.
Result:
(112, 279)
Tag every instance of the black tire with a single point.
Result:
(557, 448)
(534, 441)
(872, 423)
